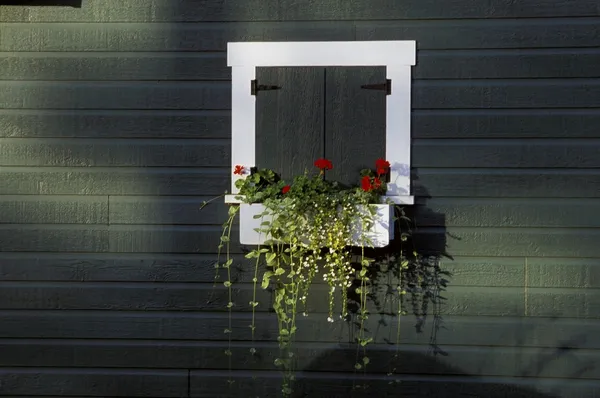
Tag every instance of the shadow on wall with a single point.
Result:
(41, 3)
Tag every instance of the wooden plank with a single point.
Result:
(438, 94)
(110, 267)
(517, 183)
(338, 384)
(471, 331)
(505, 153)
(166, 210)
(432, 64)
(563, 273)
(506, 64)
(161, 37)
(114, 124)
(104, 267)
(45, 237)
(506, 94)
(94, 382)
(516, 242)
(114, 152)
(489, 34)
(198, 182)
(355, 121)
(113, 66)
(574, 303)
(486, 301)
(269, 10)
(115, 95)
(507, 212)
(430, 34)
(496, 123)
(112, 181)
(171, 239)
(480, 361)
(53, 209)
(506, 123)
(290, 121)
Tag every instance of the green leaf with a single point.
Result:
(366, 360)
(224, 239)
(271, 258)
(279, 271)
(266, 277)
(227, 283)
(228, 263)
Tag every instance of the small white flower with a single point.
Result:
(330, 319)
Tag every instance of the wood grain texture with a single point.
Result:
(65, 238)
(111, 181)
(506, 183)
(289, 121)
(455, 123)
(94, 382)
(355, 121)
(114, 152)
(53, 209)
(430, 34)
(114, 124)
(506, 212)
(506, 123)
(166, 210)
(579, 364)
(269, 10)
(466, 301)
(111, 267)
(488, 34)
(471, 331)
(113, 66)
(338, 384)
(446, 94)
(161, 37)
(432, 64)
(504, 153)
(115, 95)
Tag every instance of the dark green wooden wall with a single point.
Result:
(115, 124)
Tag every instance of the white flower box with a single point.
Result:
(380, 234)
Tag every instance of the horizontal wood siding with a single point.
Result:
(115, 127)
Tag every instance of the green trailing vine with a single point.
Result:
(311, 227)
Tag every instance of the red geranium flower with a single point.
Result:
(365, 184)
(376, 183)
(323, 164)
(285, 189)
(239, 169)
(382, 166)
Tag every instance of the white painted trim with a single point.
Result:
(322, 53)
(396, 56)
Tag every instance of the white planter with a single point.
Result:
(380, 234)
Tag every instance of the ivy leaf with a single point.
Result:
(279, 271)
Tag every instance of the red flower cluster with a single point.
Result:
(285, 189)
(239, 169)
(324, 164)
(368, 184)
(382, 166)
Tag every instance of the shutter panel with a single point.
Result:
(289, 121)
(355, 120)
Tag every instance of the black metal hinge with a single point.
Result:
(387, 86)
(255, 87)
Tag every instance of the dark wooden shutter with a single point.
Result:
(320, 112)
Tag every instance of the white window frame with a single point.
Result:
(396, 56)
